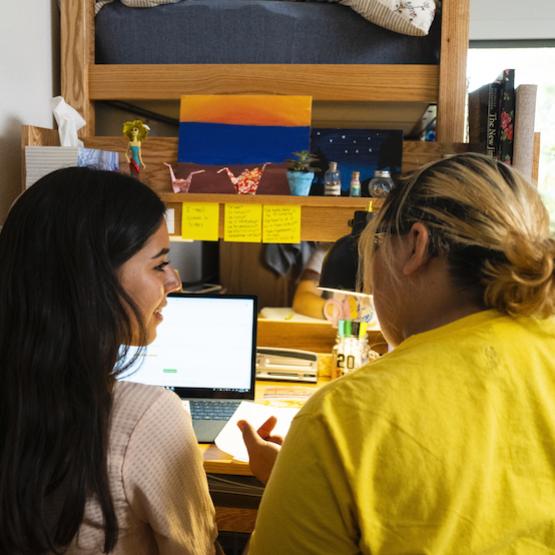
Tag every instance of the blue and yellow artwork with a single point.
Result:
(243, 129)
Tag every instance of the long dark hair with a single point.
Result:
(63, 317)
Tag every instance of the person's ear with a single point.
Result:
(418, 240)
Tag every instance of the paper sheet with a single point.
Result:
(282, 224)
(200, 221)
(243, 223)
(230, 439)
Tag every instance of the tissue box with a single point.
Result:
(40, 160)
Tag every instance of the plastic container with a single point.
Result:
(381, 184)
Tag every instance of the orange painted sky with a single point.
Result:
(278, 110)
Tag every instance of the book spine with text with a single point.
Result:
(506, 116)
(492, 135)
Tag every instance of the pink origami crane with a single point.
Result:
(180, 185)
(246, 183)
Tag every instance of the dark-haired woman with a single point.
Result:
(446, 445)
(89, 464)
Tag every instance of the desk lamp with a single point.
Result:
(340, 266)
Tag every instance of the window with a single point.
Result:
(532, 64)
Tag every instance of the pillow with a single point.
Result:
(409, 17)
(135, 3)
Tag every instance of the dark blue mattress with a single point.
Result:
(253, 32)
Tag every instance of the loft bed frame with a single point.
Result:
(83, 81)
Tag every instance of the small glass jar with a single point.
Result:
(381, 184)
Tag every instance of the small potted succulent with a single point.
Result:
(300, 173)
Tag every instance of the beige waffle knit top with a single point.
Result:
(157, 481)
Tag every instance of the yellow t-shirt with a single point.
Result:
(444, 446)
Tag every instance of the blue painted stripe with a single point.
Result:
(215, 143)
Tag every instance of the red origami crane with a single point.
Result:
(246, 183)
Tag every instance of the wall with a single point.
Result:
(29, 47)
(512, 19)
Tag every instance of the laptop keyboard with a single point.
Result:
(212, 410)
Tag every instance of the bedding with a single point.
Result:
(253, 32)
(409, 17)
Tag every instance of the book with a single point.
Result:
(506, 115)
(525, 114)
(482, 117)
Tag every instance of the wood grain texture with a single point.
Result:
(452, 70)
(77, 56)
(346, 82)
(319, 221)
(157, 150)
(231, 519)
(317, 337)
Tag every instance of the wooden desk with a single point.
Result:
(232, 518)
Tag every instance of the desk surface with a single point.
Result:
(267, 392)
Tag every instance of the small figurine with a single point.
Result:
(136, 131)
(180, 185)
(246, 183)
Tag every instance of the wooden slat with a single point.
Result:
(231, 519)
(77, 55)
(384, 83)
(317, 337)
(218, 462)
(452, 72)
(157, 150)
(322, 218)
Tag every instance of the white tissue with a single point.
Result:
(69, 121)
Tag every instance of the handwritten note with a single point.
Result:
(200, 221)
(243, 223)
(282, 224)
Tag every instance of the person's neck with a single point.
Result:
(440, 316)
(437, 302)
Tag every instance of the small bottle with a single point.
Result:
(332, 181)
(381, 184)
(355, 184)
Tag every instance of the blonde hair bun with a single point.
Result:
(525, 282)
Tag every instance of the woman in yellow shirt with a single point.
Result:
(445, 445)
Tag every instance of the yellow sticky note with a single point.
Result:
(243, 223)
(200, 221)
(282, 224)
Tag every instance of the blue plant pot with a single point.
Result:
(300, 182)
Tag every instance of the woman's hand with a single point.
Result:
(263, 447)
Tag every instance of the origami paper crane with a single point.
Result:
(180, 185)
(246, 183)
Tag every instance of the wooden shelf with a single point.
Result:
(322, 218)
(359, 82)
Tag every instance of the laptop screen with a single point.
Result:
(205, 348)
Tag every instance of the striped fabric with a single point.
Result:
(409, 17)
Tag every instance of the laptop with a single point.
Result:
(205, 351)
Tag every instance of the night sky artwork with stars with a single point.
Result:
(363, 150)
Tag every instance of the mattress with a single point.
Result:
(253, 32)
